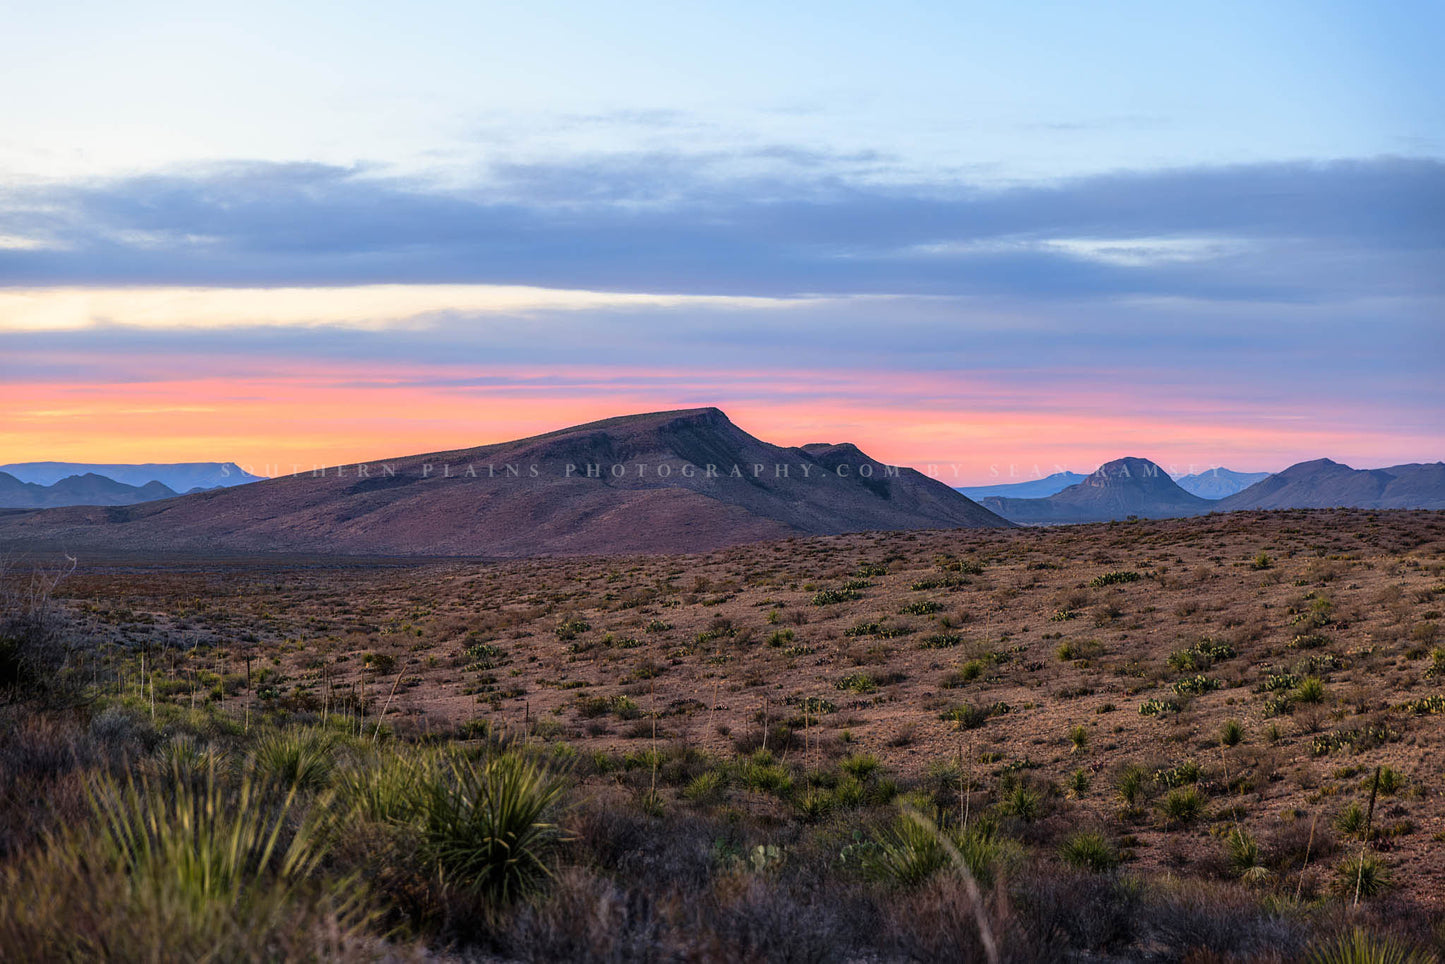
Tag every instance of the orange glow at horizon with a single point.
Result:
(972, 430)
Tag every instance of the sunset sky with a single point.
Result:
(989, 237)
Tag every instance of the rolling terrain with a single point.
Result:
(1156, 740)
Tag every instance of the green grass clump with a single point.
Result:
(1089, 850)
(1311, 689)
(1359, 946)
(1182, 805)
(1367, 873)
(911, 851)
(165, 866)
(299, 758)
(1231, 733)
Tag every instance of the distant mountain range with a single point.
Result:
(1116, 490)
(662, 482)
(1219, 483)
(177, 476)
(1211, 484)
(1137, 487)
(1325, 484)
(1032, 489)
(87, 489)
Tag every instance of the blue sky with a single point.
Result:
(985, 217)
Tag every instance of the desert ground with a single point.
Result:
(1215, 699)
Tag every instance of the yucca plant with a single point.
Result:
(1182, 805)
(1361, 947)
(1244, 852)
(910, 851)
(489, 825)
(297, 758)
(1089, 850)
(182, 869)
(1365, 874)
(203, 842)
(382, 789)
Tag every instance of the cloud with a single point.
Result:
(772, 222)
(371, 307)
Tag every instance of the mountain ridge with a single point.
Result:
(1118, 489)
(679, 480)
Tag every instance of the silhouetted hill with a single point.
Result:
(1323, 484)
(666, 481)
(178, 476)
(88, 489)
(1116, 490)
(1219, 483)
(1032, 489)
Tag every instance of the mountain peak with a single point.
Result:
(673, 481)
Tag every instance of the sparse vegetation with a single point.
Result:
(567, 760)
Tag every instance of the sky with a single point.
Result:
(997, 239)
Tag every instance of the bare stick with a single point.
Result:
(386, 706)
(1364, 844)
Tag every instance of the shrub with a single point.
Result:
(1201, 656)
(1182, 805)
(1244, 852)
(860, 765)
(1231, 733)
(488, 825)
(1359, 946)
(1133, 784)
(1089, 850)
(1116, 578)
(1022, 802)
(570, 627)
(299, 758)
(1310, 690)
(1366, 873)
(185, 870)
(857, 683)
(924, 607)
(911, 850)
(1196, 685)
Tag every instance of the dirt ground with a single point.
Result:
(971, 652)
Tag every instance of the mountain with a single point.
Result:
(1323, 484)
(1217, 483)
(661, 482)
(1116, 490)
(178, 476)
(1032, 489)
(88, 489)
